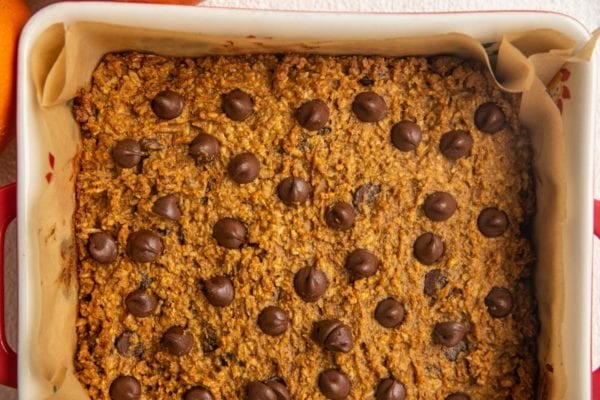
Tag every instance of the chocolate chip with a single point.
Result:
(124, 347)
(102, 247)
(428, 248)
(237, 105)
(333, 335)
(489, 118)
(260, 391)
(499, 302)
(177, 341)
(293, 190)
(310, 283)
(127, 153)
(273, 321)
(279, 387)
(406, 136)
(369, 107)
(125, 388)
(389, 313)
(167, 206)
(167, 104)
(229, 233)
(449, 333)
(219, 291)
(334, 384)
(149, 144)
(198, 393)
(434, 280)
(243, 168)
(390, 389)
(141, 303)
(204, 148)
(313, 115)
(361, 263)
(365, 194)
(439, 206)
(209, 338)
(340, 216)
(456, 144)
(122, 343)
(366, 81)
(492, 222)
(144, 246)
(458, 396)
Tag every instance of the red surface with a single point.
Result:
(8, 358)
(596, 385)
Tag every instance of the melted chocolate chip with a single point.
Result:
(499, 302)
(273, 321)
(390, 389)
(340, 216)
(167, 104)
(458, 396)
(229, 233)
(177, 341)
(260, 391)
(279, 387)
(144, 246)
(204, 148)
(313, 115)
(124, 347)
(369, 107)
(334, 384)
(361, 263)
(492, 222)
(333, 335)
(102, 247)
(168, 207)
(439, 206)
(489, 118)
(198, 393)
(238, 105)
(428, 248)
(434, 280)
(293, 190)
(141, 303)
(389, 313)
(366, 81)
(219, 291)
(244, 168)
(456, 144)
(449, 333)
(127, 153)
(406, 136)
(365, 194)
(125, 388)
(310, 283)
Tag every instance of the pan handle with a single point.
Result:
(8, 358)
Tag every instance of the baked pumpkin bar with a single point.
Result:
(295, 226)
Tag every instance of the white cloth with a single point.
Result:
(586, 11)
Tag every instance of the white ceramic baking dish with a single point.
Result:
(34, 163)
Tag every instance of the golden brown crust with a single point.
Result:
(497, 359)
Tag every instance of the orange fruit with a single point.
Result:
(13, 15)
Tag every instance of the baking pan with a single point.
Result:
(37, 165)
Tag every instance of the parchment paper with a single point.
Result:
(63, 61)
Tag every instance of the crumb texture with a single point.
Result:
(347, 160)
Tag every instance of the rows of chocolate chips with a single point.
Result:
(310, 283)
